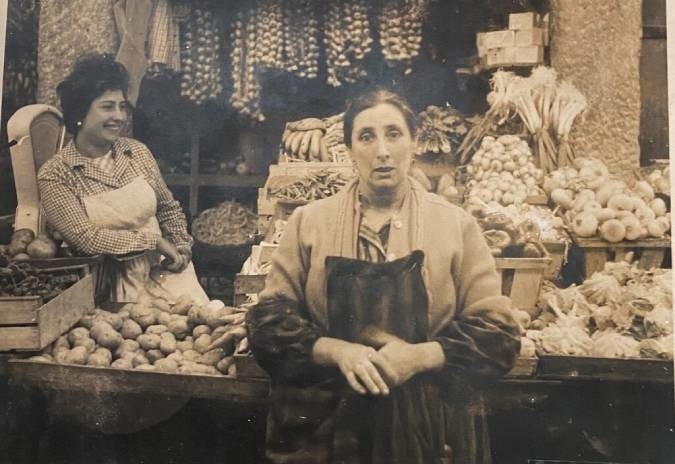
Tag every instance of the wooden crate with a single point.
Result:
(248, 368)
(285, 173)
(557, 252)
(26, 324)
(245, 285)
(522, 279)
(648, 253)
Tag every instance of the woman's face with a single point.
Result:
(106, 118)
(382, 147)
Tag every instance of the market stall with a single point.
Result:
(582, 248)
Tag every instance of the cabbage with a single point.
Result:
(602, 316)
(601, 289)
(528, 348)
(611, 344)
(659, 321)
(570, 340)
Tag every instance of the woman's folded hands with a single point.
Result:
(376, 372)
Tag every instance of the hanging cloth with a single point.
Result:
(132, 18)
(163, 42)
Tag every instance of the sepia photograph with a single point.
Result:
(336, 231)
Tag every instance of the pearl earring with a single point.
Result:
(79, 123)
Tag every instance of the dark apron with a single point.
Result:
(331, 423)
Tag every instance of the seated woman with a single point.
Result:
(103, 192)
(382, 314)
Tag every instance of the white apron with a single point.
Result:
(134, 207)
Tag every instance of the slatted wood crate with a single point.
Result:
(27, 324)
(648, 253)
(246, 285)
(522, 279)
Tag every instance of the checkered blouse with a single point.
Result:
(69, 176)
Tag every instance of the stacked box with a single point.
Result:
(522, 44)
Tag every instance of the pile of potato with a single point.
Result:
(154, 335)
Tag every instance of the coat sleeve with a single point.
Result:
(280, 331)
(482, 342)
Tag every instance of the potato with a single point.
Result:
(139, 359)
(157, 329)
(163, 318)
(86, 321)
(61, 354)
(130, 355)
(176, 356)
(149, 341)
(182, 305)
(221, 330)
(97, 360)
(189, 367)
(77, 333)
(184, 345)
(232, 370)
(145, 367)
(124, 315)
(111, 318)
(161, 304)
(122, 363)
(110, 339)
(105, 352)
(99, 328)
(166, 365)
(179, 326)
(192, 355)
(202, 343)
(86, 342)
(126, 345)
(201, 330)
(195, 315)
(154, 356)
(224, 364)
(77, 355)
(131, 329)
(211, 358)
(144, 315)
(167, 344)
(60, 343)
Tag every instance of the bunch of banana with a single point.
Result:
(439, 130)
(304, 140)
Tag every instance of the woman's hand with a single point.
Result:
(174, 261)
(398, 361)
(355, 361)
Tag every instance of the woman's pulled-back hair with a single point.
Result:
(92, 76)
(371, 99)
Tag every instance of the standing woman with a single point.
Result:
(382, 315)
(104, 193)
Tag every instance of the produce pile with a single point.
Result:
(314, 186)
(304, 140)
(400, 29)
(25, 245)
(201, 79)
(229, 223)
(22, 279)
(597, 205)
(546, 107)
(551, 227)
(620, 312)
(440, 130)
(503, 170)
(659, 180)
(507, 238)
(348, 41)
(154, 335)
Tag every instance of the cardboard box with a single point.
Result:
(500, 56)
(519, 21)
(499, 39)
(480, 44)
(528, 55)
(528, 37)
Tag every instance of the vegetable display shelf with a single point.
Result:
(648, 253)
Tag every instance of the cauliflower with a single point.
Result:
(601, 289)
(659, 321)
(612, 344)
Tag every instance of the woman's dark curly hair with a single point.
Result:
(371, 99)
(92, 76)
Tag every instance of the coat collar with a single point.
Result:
(122, 152)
